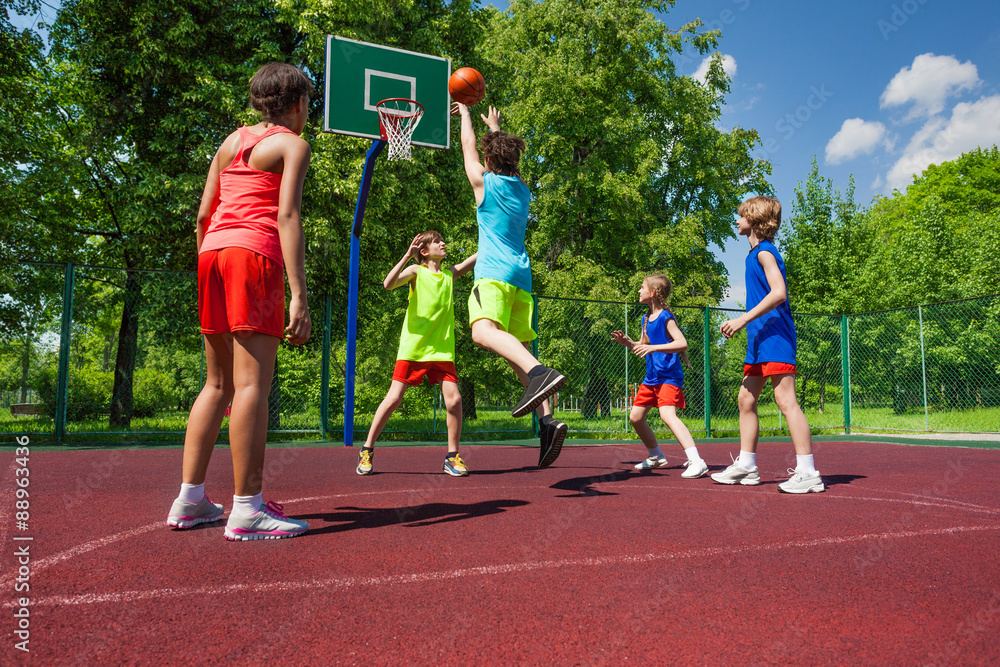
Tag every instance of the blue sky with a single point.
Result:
(874, 88)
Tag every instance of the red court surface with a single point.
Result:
(585, 563)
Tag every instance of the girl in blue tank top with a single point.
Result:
(663, 346)
(770, 353)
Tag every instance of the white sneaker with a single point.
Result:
(735, 474)
(695, 469)
(802, 482)
(652, 462)
(269, 523)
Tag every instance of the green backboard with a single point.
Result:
(359, 75)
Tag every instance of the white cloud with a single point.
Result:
(877, 183)
(972, 125)
(928, 83)
(856, 136)
(728, 66)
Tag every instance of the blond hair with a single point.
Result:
(763, 214)
(661, 287)
(425, 239)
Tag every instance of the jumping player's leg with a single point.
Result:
(393, 399)
(487, 334)
(552, 432)
(501, 316)
(192, 506)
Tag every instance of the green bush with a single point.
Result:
(89, 392)
(152, 391)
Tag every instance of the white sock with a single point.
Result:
(656, 451)
(692, 454)
(805, 464)
(747, 460)
(192, 493)
(247, 505)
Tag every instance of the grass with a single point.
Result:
(497, 424)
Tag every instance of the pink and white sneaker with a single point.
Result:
(269, 523)
(186, 515)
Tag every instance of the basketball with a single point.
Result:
(467, 86)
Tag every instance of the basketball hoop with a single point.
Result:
(398, 117)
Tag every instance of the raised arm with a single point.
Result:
(397, 275)
(463, 267)
(474, 169)
(777, 295)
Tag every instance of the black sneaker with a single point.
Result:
(552, 437)
(539, 388)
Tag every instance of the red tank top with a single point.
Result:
(247, 213)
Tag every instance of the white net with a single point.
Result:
(398, 118)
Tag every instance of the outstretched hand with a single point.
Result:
(641, 350)
(414, 249)
(459, 108)
(492, 119)
(619, 337)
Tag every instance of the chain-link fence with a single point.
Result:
(92, 353)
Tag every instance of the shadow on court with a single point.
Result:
(583, 487)
(837, 480)
(428, 514)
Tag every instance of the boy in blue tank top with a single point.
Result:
(770, 352)
(500, 306)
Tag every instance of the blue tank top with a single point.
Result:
(770, 337)
(661, 367)
(503, 219)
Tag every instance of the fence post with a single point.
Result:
(845, 363)
(534, 352)
(62, 379)
(923, 364)
(324, 373)
(707, 371)
(627, 409)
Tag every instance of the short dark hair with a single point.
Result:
(502, 152)
(276, 88)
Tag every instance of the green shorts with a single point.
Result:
(510, 307)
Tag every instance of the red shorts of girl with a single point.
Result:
(658, 396)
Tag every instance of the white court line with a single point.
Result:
(487, 570)
(43, 563)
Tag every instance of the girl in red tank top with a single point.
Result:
(249, 227)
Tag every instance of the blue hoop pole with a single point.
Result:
(352, 293)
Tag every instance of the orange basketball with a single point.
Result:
(467, 86)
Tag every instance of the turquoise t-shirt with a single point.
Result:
(503, 219)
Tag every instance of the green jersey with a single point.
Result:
(429, 326)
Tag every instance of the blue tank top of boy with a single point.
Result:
(662, 367)
(770, 337)
(503, 219)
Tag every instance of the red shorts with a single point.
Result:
(767, 369)
(413, 372)
(650, 396)
(239, 290)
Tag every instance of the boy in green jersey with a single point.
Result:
(426, 343)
